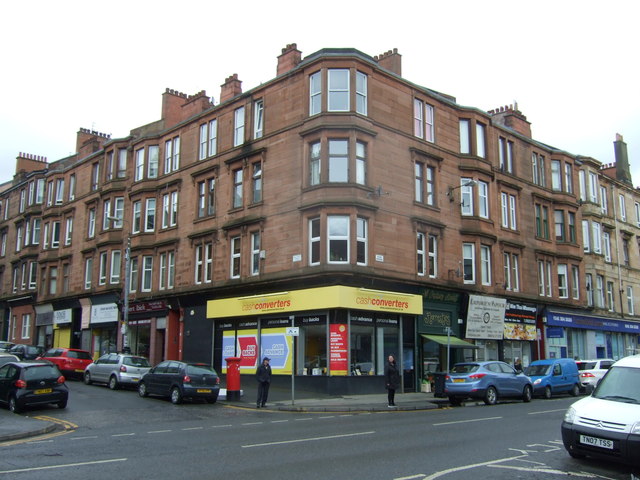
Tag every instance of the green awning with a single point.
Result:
(453, 342)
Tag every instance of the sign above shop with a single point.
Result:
(485, 317)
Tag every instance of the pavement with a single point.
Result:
(20, 426)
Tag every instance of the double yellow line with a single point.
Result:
(67, 426)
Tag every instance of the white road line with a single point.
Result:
(193, 428)
(312, 439)
(160, 431)
(548, 470)
(412, 477)
(83, 438)
(324, 418)
(279, 421)
(40, 441)
(548, 411)
(49, 467)
(123, 435)
(467, 421)
(302, 419)
(468, 467)
(222, 426)
(252, 423)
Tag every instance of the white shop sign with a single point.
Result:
(61, 317)
(485, 317)
(107, 312)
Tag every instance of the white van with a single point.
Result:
(606, 424)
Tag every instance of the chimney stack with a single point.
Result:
(509, 116)
(89, 141)
(232, 87)
(623, 172)
(289, 59)
(390, 60)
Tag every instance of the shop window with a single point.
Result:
(312, 346)
(362, 349)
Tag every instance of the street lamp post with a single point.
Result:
(124, 329)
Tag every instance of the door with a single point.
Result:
(154, 378)
(7, 373)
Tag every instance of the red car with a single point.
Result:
(70, 361)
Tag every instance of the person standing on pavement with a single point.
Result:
(391, 379)
(263, 376)
(517, 365)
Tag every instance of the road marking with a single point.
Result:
(83, 438)
(468, 467)
(312, 439)
(49, 467)
(279, 421)
(193, 428)
(548, 411)
(303, 419)
(222, 426)
(467, 421)
(412, 477)
(548, 470)
(66, 424)
(160, 431)
(41, 441)
(324, 418)
(252, 423)
(123, 435)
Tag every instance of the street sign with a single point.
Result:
(293, 331)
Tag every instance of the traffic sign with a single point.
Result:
(293, 331)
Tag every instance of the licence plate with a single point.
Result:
(79, 370)
(42, 390)
(596, 442)
(134, 379)
(458, 380)
(204, 390)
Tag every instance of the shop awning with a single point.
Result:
(453, 342)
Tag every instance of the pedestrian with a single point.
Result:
(263, 376)
(391, 379)
(517, 365)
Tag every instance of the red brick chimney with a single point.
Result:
(510, 117)
(26, 163)
(623, 172)
(172, 102)
(289, 58)
(390, 60)
(89, 141)
(231, 87)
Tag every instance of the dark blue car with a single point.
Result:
(488, 381)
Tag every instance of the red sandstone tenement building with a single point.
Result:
(372, 214)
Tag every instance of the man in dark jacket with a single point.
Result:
(391, 380)
(263, 375)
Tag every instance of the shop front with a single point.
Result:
(335, 339)
(153, 331)
(44, 325)
(520, 334)
(571, 334)
(103, 324)
(485, 325)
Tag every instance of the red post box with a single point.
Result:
(233, 378)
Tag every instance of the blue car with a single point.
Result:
(488, 381)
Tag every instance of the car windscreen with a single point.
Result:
(620, 384)
(41, 372)
(464, 368)
(136, 362)
(537, 370)
(200, 370)
(79, 355)
(586, 365)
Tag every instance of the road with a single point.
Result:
(119, 435)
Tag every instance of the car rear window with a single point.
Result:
(537, 370)
(41, 372)
(136, 362)
(79, 355)
(53, 353)
(586, 365)
(200, 370)
(465, 368)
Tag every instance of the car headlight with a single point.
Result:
(635, 428)
(537, 381)
(570, 416)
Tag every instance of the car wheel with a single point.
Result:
(87, 378)
(142, 389)
(527, 393)
(456, 402)
(547, 392)
(575, 391)
(62, 404)
(113, 382)
(212, 400)
(13, 405)
(491, 396)
(176, 396)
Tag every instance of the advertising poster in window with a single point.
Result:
(485, 317)
(244, 346)
(276, 345)
(338, 364)
(520, 322)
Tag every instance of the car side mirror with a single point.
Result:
(152, 370)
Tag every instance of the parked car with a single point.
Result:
(179, 380)
(26, 352)
(591, 371)
(554, 376)
(7, 357)
(116, 369)
(24, 384)
(5, 346)
(488, 381)
(70, 361)
(606, 424)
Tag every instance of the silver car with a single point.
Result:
(116, 370)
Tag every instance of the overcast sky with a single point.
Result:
(570, 65)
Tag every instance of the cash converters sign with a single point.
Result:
(337, 296)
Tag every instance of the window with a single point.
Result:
(468, 262)
(68, 233)
(237, 188)
(204, 263)
(3, 244)
(238, 127)
(338, 90)
(162, 278)
(575, 282)
(19, 238)
(167, 270)
(65, 277)
(235, 257)
(623, 208)
(133, 275)
(147, 273)
(586, 238)
(480, 140)
(102, 279)
(150, 215)
(202, 149)
(152, 167)
(255, 253)
(505, 155)
(118, 212)
(314, 163)
(106, 213)
(26, 326)
(171, 270)
(122, 163)
(563, 289)
(40, 190)
(91, 227)
(49, 196)
(594, 187)
(59, 191)
(116, 260)
(256, 178)
(637, 209)
(314, 241)
(433, 256)
(611, 305)
(597, 237)
(625, 252)
(423, 123)
(315, 93)
(589, 287)
(606, 246)
(630, 306)
(206, 198)
(425, 182)
(599, 297)
(430, 255)
(421, 253)
(45, 236)
(72, 187)
(55, 234)
(483, 199)
(136, 224)
(139, 172)
(213, 137)
(485, 264)
(538, 169)
(361, 163)
(466, 196)
(511, 272)
(338, 238)
(582, 178)
(169, 209)
(542, 221)
(33, 275)
(258, 119)
(32, 192)
(559, 225)
(361, 93)
(556, 176)
(338, 160)
(571, 223)
(361, 241)
(172, 155)
(109, 169)
(465, 136)
(549, 279)
(95, 178)
(568, 178)
(88, 273)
